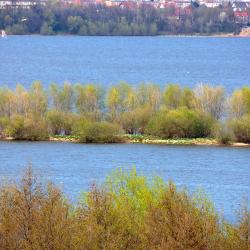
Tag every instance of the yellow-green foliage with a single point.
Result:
(180, 123)
(246, 98)
(97, 132)
(135, 190)
(241, 128)
(239, 102)
(176, 112)
(178, 222)
(127, 212)
(175, 97)
(26, 128)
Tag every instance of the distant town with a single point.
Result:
(241, 8)
(124, 17)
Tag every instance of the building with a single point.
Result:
(20, 3)
(241, 13)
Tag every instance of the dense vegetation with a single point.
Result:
(127, 212)
(90, 113)
(101, 20)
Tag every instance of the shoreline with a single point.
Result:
(153, 141)
(244, 33)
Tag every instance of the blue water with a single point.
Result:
(222, 172)
(107, 60)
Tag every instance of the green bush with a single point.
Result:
(97, 132)
(19, 29)
(4, 123)
(180, 123)
(135, 121)
(241, 129)
(223, 134)
(60, 122)
(32, 128)
(46, 29)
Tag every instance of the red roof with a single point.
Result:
(129, 4)
(241, 14)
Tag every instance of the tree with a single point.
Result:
(172, 96)
(149, 95)
(37, 99)
(21, 101)
(210, 100)
(118, 100)
(236, 104)
(62, 98)
(74, 24)
(89, 100)
(46, 29)
(6, 102)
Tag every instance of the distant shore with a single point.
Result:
(245, 32)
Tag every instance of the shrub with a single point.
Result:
(97, 132)
(100, 224)
(180, 123)
(60, 122)
(178, 222)
(18, 29)
(241, 129)
(4, 123)
(134, 122)
(223, 134)
(237, 236)
(33, 216)
(127, 212)
(46, 29)
(16, 127)
(31, 128)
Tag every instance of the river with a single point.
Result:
(107, 60)
(222, 172)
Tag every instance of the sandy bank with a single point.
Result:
(184, 141)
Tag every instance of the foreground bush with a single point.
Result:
(127, 212)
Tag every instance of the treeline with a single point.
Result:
(127, 212)
(101, 20)
(94, 115)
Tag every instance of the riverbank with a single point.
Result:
(140, 139)
(181, 141)
(245, 32)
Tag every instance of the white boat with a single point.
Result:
(4, 35)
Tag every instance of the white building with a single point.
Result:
(20, 3)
